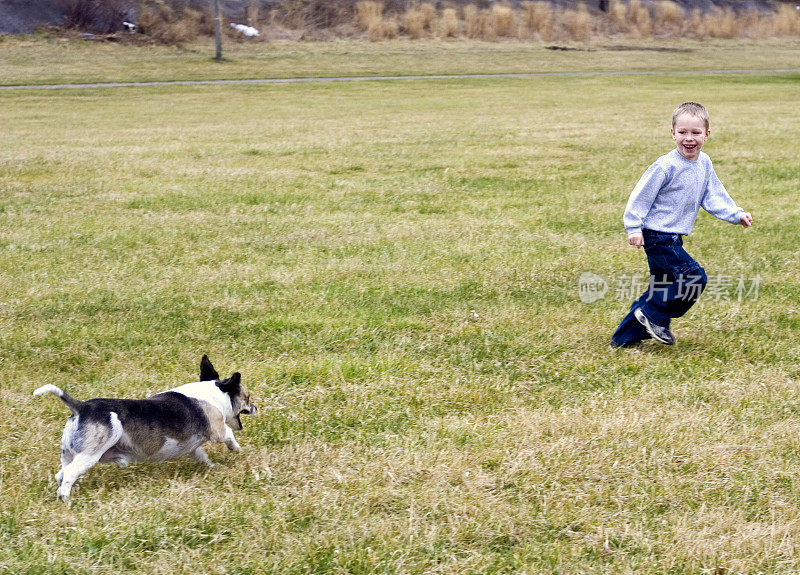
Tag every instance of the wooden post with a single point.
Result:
(217, 31)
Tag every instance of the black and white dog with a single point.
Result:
(165, 426)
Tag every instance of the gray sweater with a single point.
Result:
(671, 192)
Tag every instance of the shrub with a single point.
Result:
(720, 23)
(96, 15)
(414, 23)
(471, 22)
(503, 21)
(639, 16)
(696, 26)
(786, 21)
(618, 13)
(448, 24)
(579, 23)
(668, 17)
(311, 14)
(368, 14)
(428, 12)
(537, 19)
(168, 23)
(382, 29)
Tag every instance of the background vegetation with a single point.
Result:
(178, 21)
(393, 266)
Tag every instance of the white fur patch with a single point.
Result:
(209, 392)
(48, 389)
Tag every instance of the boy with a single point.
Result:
(662, 208)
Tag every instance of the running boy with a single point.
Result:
(662, 208)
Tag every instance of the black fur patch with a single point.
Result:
(232, 386)
(207, 371)
(172, 414)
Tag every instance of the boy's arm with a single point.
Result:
(641, 200)
(718, 202)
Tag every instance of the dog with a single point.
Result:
(164, 426)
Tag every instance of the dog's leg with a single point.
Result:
(67, 455)
(122, 461)
(66, 458)
(230, 440)
(200, 456)
(84, 461)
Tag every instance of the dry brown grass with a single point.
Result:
(639, 16)
(448, 26)
(383, 29)
(472, 26)
(367, 13)
(722, 24)
(579, 23)
(420, 20)
(414, 23)
(252, 12)
(369, 17)
(668, 18)
(785, 22)
(503, 21)
(169, 24)
(537, 20)
(428, 12)
(479, 24)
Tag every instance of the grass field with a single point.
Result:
(394, 267)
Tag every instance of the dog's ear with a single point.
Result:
(232, 385)
(207, 371)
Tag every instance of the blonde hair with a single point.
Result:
(693, 109)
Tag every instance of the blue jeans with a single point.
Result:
(676, 282)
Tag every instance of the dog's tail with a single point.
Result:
(70, 401)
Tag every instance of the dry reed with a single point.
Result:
(639, 17)
(448, 24)
(369, 17)
(668, 18)
(471, 21)
(578, 23)
(167, 24)
(428, 12)
(785, 22)
(537, 20)
(251, 12)
(503, 21)
(414, 23)
(382, 29)
(368, 12)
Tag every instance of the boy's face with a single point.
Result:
(690, 133)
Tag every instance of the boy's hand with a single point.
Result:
(746, 220)
(638, 239)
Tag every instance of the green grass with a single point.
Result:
(33, 60)
(393, 267)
